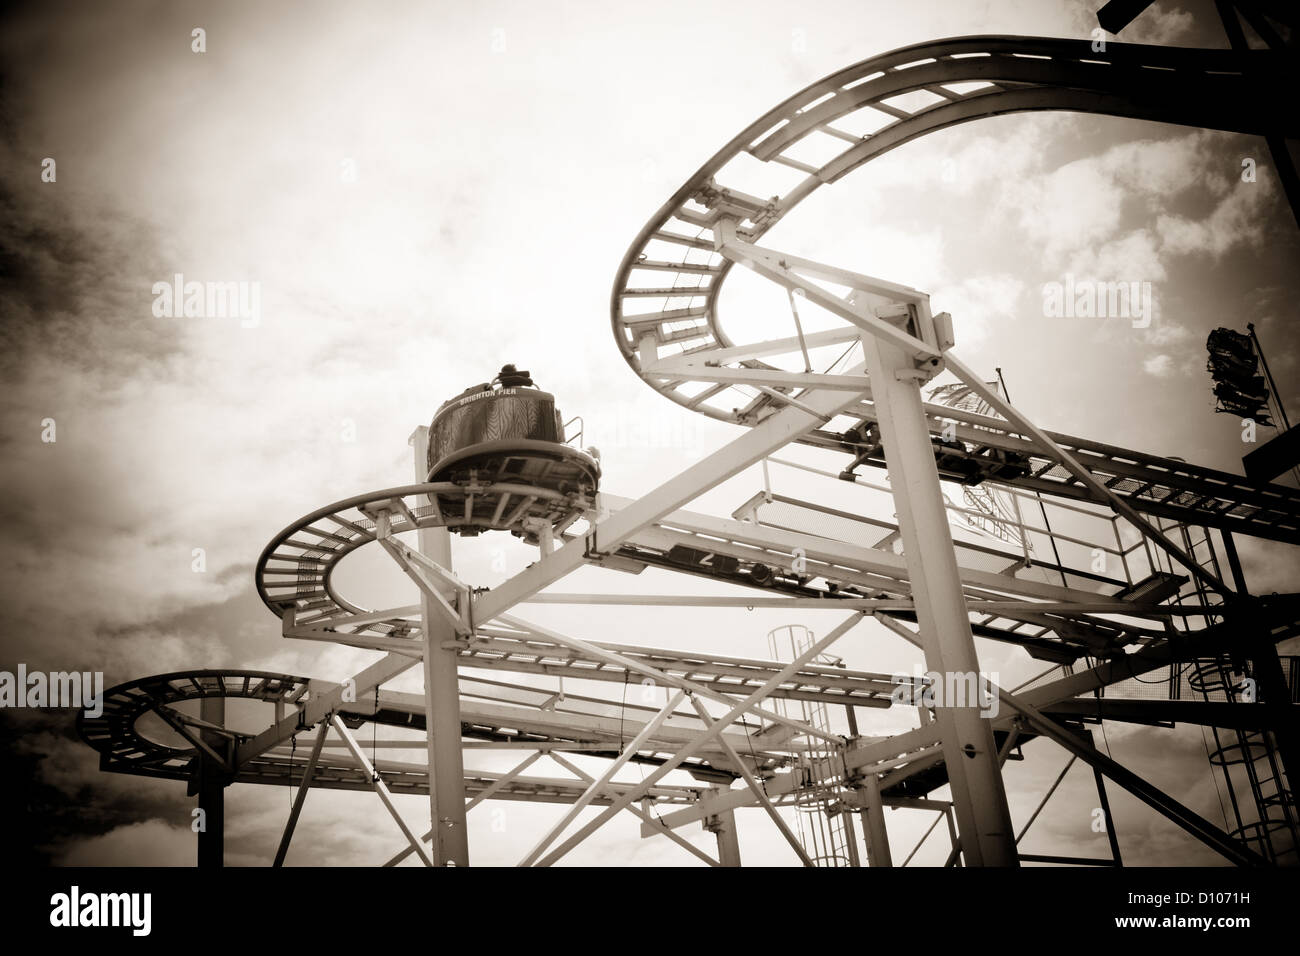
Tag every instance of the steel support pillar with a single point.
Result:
(970, 753)
(723, 827)
(1104, 800)
(212, 787)
(450, 843)
(1262, 649)
(1232, 848)
(873, 823)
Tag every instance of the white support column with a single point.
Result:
(970, 754)
(441, 699)
(723, 826)
(873, 823)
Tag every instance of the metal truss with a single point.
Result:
(665, 298)
(718, 734)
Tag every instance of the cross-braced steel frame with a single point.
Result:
(854, 385)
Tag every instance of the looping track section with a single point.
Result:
(296, 570)
(664, 303)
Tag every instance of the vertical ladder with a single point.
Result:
(823, 824)
(1271, 830)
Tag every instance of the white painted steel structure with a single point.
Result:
(856, 387)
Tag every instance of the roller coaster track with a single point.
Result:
(664, 301)
(296, 573)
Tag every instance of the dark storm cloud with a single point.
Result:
(53, 797)
(75, 279)
(75, 271)
(74, 282)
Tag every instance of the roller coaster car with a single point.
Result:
(954, 459)
(508, 432)
(1004, 465)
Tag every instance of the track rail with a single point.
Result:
(664, 302)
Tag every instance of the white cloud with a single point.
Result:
(151, 843)
(1078, 212)
(1166, 333)
(1161, 366)
(1070, 208)
(979, 305)
(1132, 257)
(1160, 26)
(1237, 220)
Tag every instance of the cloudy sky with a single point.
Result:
(424, 191)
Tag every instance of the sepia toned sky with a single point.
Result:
(425, 191)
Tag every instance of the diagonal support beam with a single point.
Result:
(485, 794)
(428, 565)
(301, 796)
(1149, 794)
(418, 572)
(783, 268)
(173, 720)
(322, 704)
(1047, 796)
(598, 785)
(924, 836)
(774, 432)
(1052, 449)
(755, 787)
(668, 680)
(377, 782)
(1167, 806)
(648, 823)
(1152, 796)
(699, 741)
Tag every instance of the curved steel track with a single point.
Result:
(1213, 89)
(665, 295)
